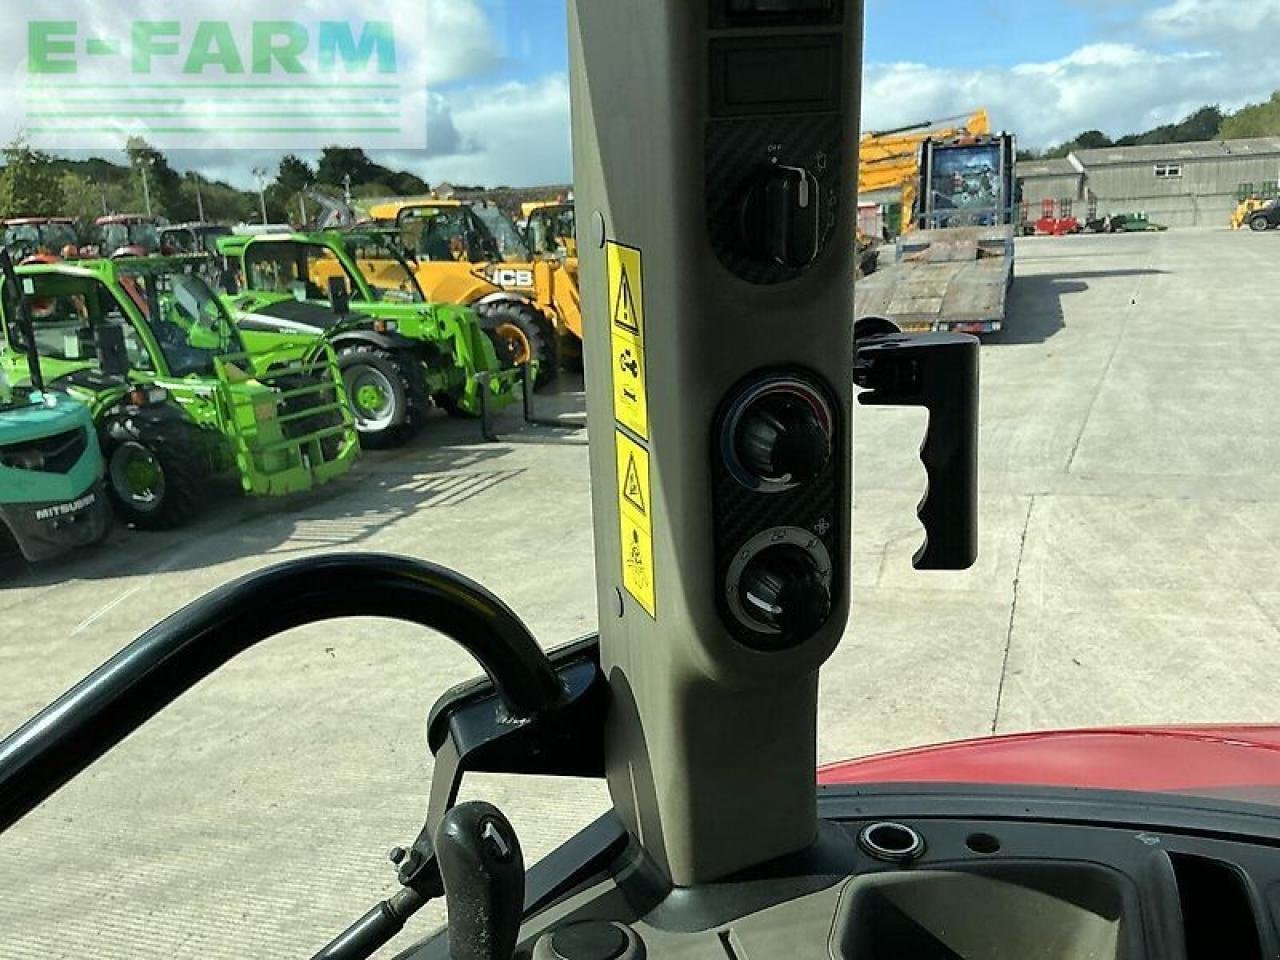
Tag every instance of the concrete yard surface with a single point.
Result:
(1130, 516)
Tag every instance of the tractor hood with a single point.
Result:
(1228, 762)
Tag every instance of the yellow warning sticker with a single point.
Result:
(635, 520)
(626, 329)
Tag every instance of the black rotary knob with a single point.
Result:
(781, 216)
(784, 590)
(782, 439)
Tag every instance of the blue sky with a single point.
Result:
(531, 33)
(991, 32)
(498, 109)
(1046, 69)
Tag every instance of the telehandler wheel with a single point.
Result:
(155, 472)
(520, 333)
(1259, 224)
(382, 393)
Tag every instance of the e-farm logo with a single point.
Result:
(251, 80)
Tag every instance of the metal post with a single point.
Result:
(261, 176)
(199, 198)
(146, 186)
(486, 426)
(526, 388)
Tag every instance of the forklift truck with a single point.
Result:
(721, 473)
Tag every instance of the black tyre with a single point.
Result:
(383, 393)
(1259, 224)
(331, 445)
(156, 471)
(520, 333)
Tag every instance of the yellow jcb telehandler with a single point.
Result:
(470, 253)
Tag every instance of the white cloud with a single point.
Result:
(460, 41)
(1185, 54)
(436, 42)
(514, 134)
(1233, 26)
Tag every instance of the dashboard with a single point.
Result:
(935, 873)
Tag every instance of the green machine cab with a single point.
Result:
(398, 353)
(51, 496)
(175, 398)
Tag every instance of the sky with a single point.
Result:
(497, 89)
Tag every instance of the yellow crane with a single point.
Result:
(890, 159)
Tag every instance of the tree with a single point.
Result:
(338, 163)
(1092, 140)
(164, 183)
(82, 198)
(1204, 124)
(1254, 120)
(405, 183)
(30, 185)
(294, 176)
(222, 203)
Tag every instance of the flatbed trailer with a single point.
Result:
(953, 270)
(955, 279)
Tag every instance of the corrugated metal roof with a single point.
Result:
(1200, 150)
(1046, 168)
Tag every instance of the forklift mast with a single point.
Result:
(719, 356)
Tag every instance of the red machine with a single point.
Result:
(1056, 219)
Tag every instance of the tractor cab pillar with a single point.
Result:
(714, 176)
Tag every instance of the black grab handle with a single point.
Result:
(937, 371)
(105, 707)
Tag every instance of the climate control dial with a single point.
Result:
(779, 587)
(777, 435)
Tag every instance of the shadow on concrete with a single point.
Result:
(1034, 312)
(342, 515)
(447, 464)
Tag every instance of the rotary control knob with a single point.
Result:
(779, 586)
(784, 590)
(781, 216)
(782, 439)
(778, 434)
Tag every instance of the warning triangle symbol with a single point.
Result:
(625, 314)
(631, 489)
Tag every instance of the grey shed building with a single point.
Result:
(1054, 180)
(1177, 184)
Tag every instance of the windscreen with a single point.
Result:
(116, 236)
(510, 245)
(445, 234)
(966, 179)
(67, 308)
(1100, 212)
(381, 259)
(188, 322)
(297, 268)
(551, 231)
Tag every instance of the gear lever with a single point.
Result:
(483, 872)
